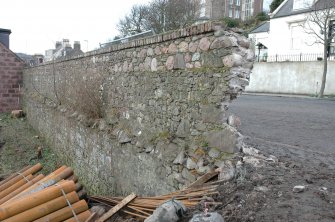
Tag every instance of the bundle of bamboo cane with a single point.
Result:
(27, 196)
(143, 207)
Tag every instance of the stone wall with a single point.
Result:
(147, 116)
(10, 79)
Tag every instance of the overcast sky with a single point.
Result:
(37, 24)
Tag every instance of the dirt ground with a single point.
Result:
(18, 147)
(261, 193)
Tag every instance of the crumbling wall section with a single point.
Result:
(147, 116)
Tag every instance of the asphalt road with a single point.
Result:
(306, 124)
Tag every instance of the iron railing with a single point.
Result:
(301, 57)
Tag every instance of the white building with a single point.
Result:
(286, 33)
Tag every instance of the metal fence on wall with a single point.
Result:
(302, 57)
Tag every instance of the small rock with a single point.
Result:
(180, 158)
(262, 189)
(170, 211)
(308, 179)
(234, 121)
(102, 125)
(188, 175)
(227, 171)
(203, 169)
(204, 44)
(298, 189)
(17, 113)
(99, 210)
(272, 158)
(256, 162)
(209, 217)
(149, 148)
(214, 153)
(196, 57)
(190, 164)
(123, 137)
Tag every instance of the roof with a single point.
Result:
(264, 27)
(286, 9)
(5, 31)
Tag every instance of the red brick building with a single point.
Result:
(11, 68)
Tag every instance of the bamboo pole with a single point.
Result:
(14, 175)
(15, 186)
(82, 217)
(65, 213)
(19, 190)
(31, 170)
(44, 209)
(45, 183)
(15, 207)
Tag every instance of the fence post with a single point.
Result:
(300, 56)
(276, 57)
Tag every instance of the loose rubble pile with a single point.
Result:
(27, 196)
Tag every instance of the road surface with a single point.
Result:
(283, 126)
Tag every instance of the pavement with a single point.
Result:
(282, 125)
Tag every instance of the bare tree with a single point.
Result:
(159, 16)
(320, 23)
(165, 15)
(134, 22)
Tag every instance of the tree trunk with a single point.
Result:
(325, 67)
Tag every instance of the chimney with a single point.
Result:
(76, 45)
(4, 36)
(58, 44)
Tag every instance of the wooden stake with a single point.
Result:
(115, 209)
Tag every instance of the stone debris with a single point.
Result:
(170, 211)
(209, 217)
(299, 189)
(180, 158)
(17, 113)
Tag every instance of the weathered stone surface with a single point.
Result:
(221, 42)
(172, 48)
(167, 212)
(183, 129)
(190, 164)
(193, 46)
(196, 57)
(155, 94)
(210, 217)
(188, 175)
(204, 44)
(211, 60)
(153, 65)
(179, 61)
(299, 189)
(150, 52)
(169, 62)
(147, 63)
(223, 140)
(183, 46)
(214, 153)
(180, 159)
(232, 60)
(158, 50)
(123, 137)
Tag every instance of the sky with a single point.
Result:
(36, 25)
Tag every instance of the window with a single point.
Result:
(296, 41)
(202, 11)
(230, 13)
(237, 14)
(332, 35)
(231, 2)
(238, 2)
